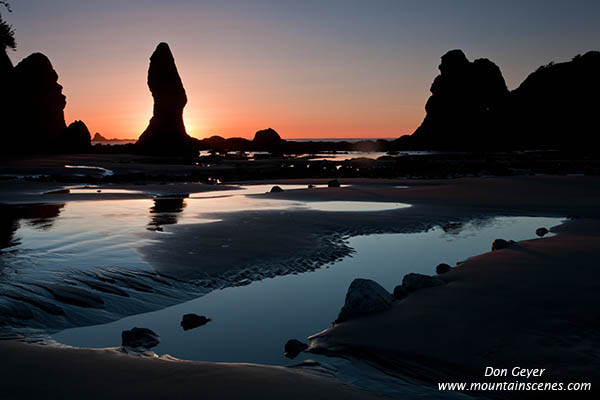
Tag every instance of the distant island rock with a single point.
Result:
(166, 134)
(266, 139)
(99, 138)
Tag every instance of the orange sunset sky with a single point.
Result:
(310, 69)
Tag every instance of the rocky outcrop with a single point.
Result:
(364, 297)
(461, 108)
(166, 134)
(470, 107)
(75, 138)
(557, 106)
(140, 337)
(34, 117)
(267, 139)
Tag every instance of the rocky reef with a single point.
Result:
(166, 134)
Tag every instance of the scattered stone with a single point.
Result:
(276, 189)
(443, 268)
(333, 183)
(541, 232)
(140, 337)
(499, 244)
(191, 321)
(413, 282)
(364, 297)
(294, 347)
(400, 292)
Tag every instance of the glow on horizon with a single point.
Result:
(311, 69)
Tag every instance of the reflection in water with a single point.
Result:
(165, 211)
(39, 216)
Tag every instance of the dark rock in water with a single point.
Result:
(35, 108)
(166, 135)
(293, 347)
(140, 337)
(443, 268)
(413, 282)
(310, 186)
(191, 321)
(276, 189)
(75, 139)
(364, 297)
(541, 231)
(499, 244)
(400, 292)
(266, 139)
(333, 183)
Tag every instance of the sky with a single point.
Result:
(308, 69)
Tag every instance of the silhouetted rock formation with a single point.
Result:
(75, 138)
(460, 109)
(99, 138)
(266, 139)
(557, 105)
(34, 110)
(166, 132)
(471, 109)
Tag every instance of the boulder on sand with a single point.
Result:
(413, 282)
(442, 269)
(293, 347)
(333, 183)
(276, 189)
(541, 232)
(140, 337)
(364, 297)
(499, 244)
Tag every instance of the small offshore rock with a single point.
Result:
(333, 183)
(276, 189)
(293, 347)
(413, 282)
(364, 297)
(499, 244)
(191, 321)
(140, 337)
(400, 292)
(541, 232)
(443, 268)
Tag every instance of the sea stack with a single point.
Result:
(36, 111)
(461, 110)
(165, 135)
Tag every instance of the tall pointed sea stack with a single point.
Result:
(165, 135)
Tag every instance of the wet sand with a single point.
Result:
(43, 372)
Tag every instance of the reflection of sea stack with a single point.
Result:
(166, 132)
